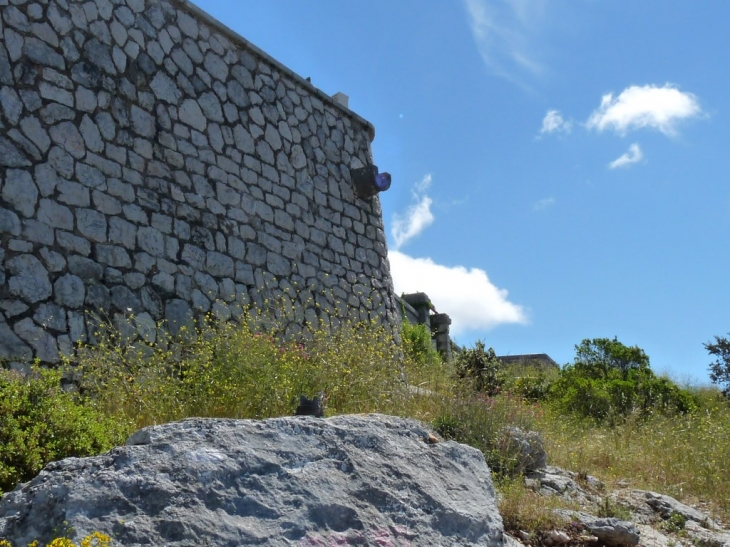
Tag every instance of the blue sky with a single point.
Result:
(560, 169)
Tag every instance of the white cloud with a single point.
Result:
(417, 218)
(632, 155)
(504, 31)
(554, 121)
(467, 295)
(543, 204)
(421, 187)
(644, 106)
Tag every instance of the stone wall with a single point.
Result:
(153, 162)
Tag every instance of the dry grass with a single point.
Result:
(238, 369)
(684, 456)
(243, 369)
(524, 511)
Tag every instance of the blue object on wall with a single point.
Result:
(368, 181)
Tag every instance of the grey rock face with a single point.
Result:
(29, 279)
(219, 264)
(666, 505)
(69, 291)
(34, 131)
(11, 105)
(702, 536)
(165, 89)
(66, 135)
(649, 505)
(191, 114)
(142, 122)
(9, 222)
(362, 479)
(554, 481)
(527, 447)
(21, 191)
(10, 156)
(43, 343)
(11, 346)
(178, 316)
(609, 531)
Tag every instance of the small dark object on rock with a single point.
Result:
(309, 407)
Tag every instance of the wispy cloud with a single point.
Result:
(632, 155)
(649, 106)
(417, 218)
(504, 31)
(467, 295)
(543, 204)
(554, 122)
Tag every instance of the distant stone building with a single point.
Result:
(540, 359)
(416, 308)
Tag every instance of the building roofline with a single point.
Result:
(528, 357)
(233, 35)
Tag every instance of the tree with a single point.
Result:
(720, 367)
(602, 355)
(609, 381)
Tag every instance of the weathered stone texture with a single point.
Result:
(151, 160)
(346, 480)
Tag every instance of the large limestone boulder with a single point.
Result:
(346, 480)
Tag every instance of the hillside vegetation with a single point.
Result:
(606, 414)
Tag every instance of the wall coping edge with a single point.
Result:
(213, 22)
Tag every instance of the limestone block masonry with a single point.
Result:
(154, 162)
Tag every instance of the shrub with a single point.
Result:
(674, 523)
(40, 423)
(478, 420)
(599, 356)
(614, 396)
(720, 367)
(480, 366)
(418, 346)
(531, 381)
(242, 369)
(609, 381)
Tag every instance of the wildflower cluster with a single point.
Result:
(96, 539)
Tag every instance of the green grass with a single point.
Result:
(245, 369)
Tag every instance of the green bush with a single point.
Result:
(531, 381)
(481, 367)
(418, 346)
(40, 423)
(609, 381)
(242, 369)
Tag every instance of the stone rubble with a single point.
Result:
(551, 480)
(527, 447)
(650, 512)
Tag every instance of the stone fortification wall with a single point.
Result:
(154, 162)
